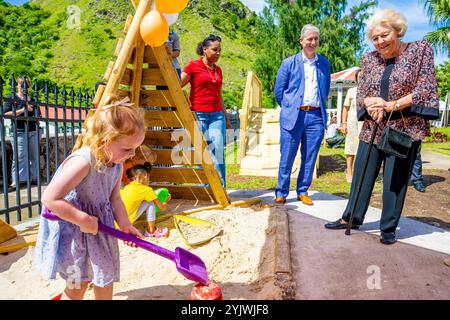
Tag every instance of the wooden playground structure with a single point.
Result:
(183, 164)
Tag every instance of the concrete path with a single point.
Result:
(327, 264)
(433, 160)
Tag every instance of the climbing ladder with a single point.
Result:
(183, 164)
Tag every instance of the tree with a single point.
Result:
(439, 13)
(443, 78)
(341, 36)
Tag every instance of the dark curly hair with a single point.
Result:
(206, 43)
(138, 169)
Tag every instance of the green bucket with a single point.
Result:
(162, 194)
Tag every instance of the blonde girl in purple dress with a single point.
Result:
(83, 192)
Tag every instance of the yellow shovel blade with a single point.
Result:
(195, 231)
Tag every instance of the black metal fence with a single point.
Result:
(59, 114)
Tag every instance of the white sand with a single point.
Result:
(240, 260)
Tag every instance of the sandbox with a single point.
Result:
(241, 260)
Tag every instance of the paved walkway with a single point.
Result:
(327, 264)
(433, 160)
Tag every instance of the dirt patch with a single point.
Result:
(432, 207)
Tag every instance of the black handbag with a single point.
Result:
(395, 142)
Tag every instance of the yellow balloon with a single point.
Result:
(171, 6)
(154, 28)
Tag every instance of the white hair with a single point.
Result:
(307, 28)
(387, 16)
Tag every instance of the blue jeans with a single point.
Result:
(416, 175)
(308, 131)
(22, 153)
(213, 128)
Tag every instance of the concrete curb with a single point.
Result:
(283, 265)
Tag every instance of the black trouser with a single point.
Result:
(396, 173)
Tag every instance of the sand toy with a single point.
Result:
(187, 263)
(195, 231)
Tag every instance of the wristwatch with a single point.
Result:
(396, 106)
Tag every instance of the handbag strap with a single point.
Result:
(403, 119)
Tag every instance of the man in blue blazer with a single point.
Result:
(301, 90)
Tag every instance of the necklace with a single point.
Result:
(213, 79)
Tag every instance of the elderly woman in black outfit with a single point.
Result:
(400, 78)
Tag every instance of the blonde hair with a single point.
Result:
(387, 16)
(116, 119)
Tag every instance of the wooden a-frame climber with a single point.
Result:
(168, 115)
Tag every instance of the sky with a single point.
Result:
(418, 23)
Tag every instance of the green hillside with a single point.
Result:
(37, 39)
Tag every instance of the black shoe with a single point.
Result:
(34, 182)
(11, 188)
(336, 225)
(388, 237)
(22, 184)
(419, 186)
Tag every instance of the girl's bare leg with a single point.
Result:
(72, 292)
(103, 293)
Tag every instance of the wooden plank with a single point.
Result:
(135, 3)
(174, 157)
(257, 110)
(127, 49)
(118, 47)
(126, 78)
(282, 243)
(187, 192)
(153, 77)
(160, 98)
(255, 119)
(165, 138)
(149, 57)
(127, 26)
(137, 72)
(6, 232)
(98, 95)
(244, 114)
(186, 116)
(109, 70)
(162, 119)
(178, 175)
(23, 239)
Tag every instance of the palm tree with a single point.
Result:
(439, 13)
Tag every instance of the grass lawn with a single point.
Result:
(442, 147)
(439, 147)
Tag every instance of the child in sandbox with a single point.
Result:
(139, 198)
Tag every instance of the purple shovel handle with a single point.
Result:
(123, 236)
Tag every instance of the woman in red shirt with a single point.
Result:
(205, 78)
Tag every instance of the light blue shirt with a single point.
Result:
(311, 97)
